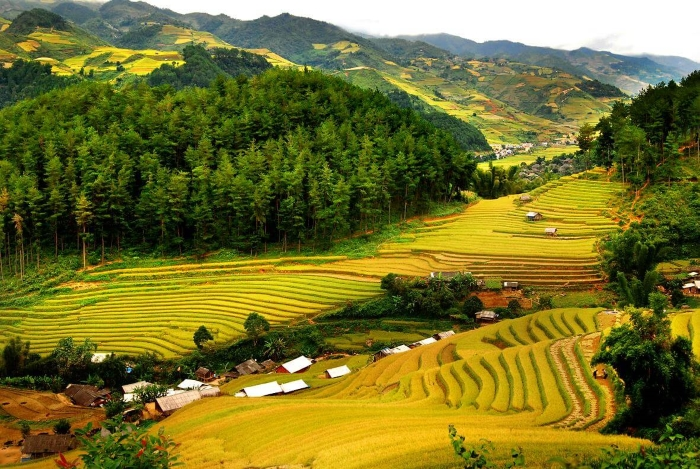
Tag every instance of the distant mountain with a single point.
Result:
(628, 73)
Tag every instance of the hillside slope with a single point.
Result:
(631, 74)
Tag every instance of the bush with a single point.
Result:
(115, 406)
(471, 306)
(62, 427)
(127, 446)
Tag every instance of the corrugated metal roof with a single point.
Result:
(170, 403)
(294, 386)
(532, 214)
(400, 349)
(486, 315)
(130, 388)
(190, 384)
(266, 389)
(297, 364)
(443, 335)
(338, 371)
(550, 230)
(429, 340)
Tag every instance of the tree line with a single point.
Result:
(644, 139)
(288, 156)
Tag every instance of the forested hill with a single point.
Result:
(288, 155)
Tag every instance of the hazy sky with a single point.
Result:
(622, 26)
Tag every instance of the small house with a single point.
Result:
(41, 446)
(428, 341)
(86, 396)
(525, 198)
(204, 374)
(190, 384)
(249, 367)
(169, 404)
(486, 316)
(268, 365)
(298, 365)
(385, 352)
(512, 286)
(692, 274)
(692, 288)
(337, 372)
(533, 216)
(550, 231)
(261, 390)
(293, 386)
(443, 335)
(131, 388)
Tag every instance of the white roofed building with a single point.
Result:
(338, 371)
(295, 366)
(293, 386)
(261, 390)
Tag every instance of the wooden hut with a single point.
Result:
(486, 316)
(204, 374)
(550, 231)
(248, 367)
(512, 286)
(525, 198)
(169, 404)
(86, 396)
(41, 446)
(533, 216)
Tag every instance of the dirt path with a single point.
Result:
(586, 405)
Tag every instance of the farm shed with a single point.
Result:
(525, 198)
(297, 365)
(692, 288)
(249, 367)
(429, 340)
(294, 386)
(385, 352)
(169, 404)
(99, 357)
(204, 374)
(533, 216)
(41, 446)
(85, 395)
(190, 384)
(266, 389)
(268, 365)
(486, 315)
(511, 286)
(130, 388)
(550, 231)
(338, 371)
(443, 335)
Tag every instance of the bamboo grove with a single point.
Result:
(288, 156)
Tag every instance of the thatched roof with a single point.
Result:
(84, 394)
(41, 444)
(249, 367)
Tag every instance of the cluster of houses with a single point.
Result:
(509, 149)
(385, 352)
(273, 388)
(691, 286)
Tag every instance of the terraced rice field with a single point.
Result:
(132, 315)
(688, 325)
(395, 412)
(493, 239)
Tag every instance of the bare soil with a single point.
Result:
(36, 407)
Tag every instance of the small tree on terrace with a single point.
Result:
(657, 369)
(255, 326)
(201, 335)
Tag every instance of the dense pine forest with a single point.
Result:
(287, 156)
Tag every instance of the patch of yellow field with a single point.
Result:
(272, 58)
(346, 47)
(3, 27)
(319, 46)
(389, 62)
(51, 38)
(29, 46)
